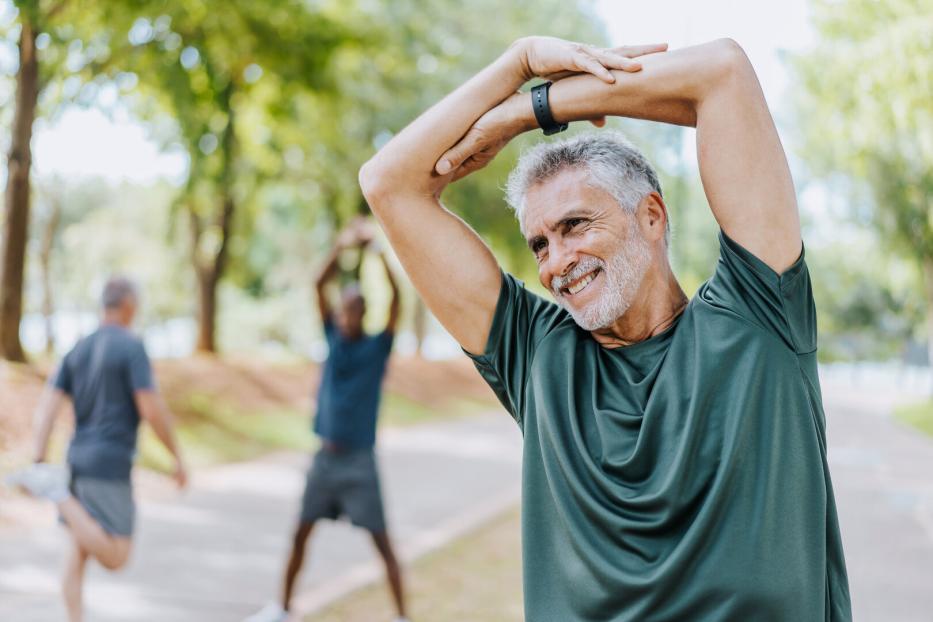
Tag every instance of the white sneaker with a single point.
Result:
(273, 612)
(47, 481)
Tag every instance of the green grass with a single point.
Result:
(476, 578)
(919, 416)
(398, 410)
(213, 432)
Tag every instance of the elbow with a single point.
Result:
(730, 60)
(374, 184)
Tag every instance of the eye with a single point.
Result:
(538, 245)
(572, 223)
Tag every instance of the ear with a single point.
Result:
(652, 217)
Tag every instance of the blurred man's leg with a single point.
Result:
(393, 573)
(295, 561)
(111, 551)
(73, 581)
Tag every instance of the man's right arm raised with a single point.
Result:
(448, 263)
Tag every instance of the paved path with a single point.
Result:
(231, 529)
(217, 553)
(883, 478)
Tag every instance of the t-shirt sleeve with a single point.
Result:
(62, 378)
(781, 304)
(140, 369)
(520, 322)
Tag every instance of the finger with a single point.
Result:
(456, 155)
(471, 165)
(611, 60)
(598, 122)
(631, 51)
(589, 64)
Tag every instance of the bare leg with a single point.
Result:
(111, 551)
(393, 574)
(73, 581)
(295, 561)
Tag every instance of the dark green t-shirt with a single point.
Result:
(683, 477)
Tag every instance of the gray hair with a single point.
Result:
(612, 162)
(116, 290)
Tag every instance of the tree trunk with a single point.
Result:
(45, 261)
(211, 271)
(207, 311)
(16, 227)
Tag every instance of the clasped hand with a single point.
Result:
(542, 57)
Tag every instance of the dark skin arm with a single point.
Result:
(352, 234)
(394, 304)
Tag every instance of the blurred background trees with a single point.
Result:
(273, 107)
(865, 124)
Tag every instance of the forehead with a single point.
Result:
(567, 193)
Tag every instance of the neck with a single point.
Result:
(112, 319)
(658, 302)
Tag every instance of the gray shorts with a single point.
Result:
(109, 502)
(344, 483)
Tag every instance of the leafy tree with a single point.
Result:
(226, 71)
(62, 48)
(865, 111)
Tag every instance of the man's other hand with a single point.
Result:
(553, 59)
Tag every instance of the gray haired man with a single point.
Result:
(674, 449)
(108, 377)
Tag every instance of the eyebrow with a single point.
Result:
(573, 214)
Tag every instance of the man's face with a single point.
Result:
(350, 321)
(128, 307)
(591, 254)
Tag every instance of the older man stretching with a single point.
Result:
(108, 377)
(674, 449)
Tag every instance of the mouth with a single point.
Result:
(577, 286)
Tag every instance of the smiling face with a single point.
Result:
(592, 254)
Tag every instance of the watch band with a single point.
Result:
(539, 103)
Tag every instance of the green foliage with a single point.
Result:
(868, 307)
(919, 416)
(866, 112)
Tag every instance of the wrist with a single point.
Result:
(521, 113)
(517, 54)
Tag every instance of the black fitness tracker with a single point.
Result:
(539, 103)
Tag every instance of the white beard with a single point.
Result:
(623, 272)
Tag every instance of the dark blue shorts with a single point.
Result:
(344, 483)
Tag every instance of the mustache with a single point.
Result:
(587, 264)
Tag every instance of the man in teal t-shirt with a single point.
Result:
(674, 449)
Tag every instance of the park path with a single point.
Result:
(882, 474)
(217, 552)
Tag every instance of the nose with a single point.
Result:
(561, 259)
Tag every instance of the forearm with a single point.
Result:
(328, 271)
(406, 163)
(43, 421)
(163, 425)
(672, 87)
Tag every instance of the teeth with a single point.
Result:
(586, 281)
